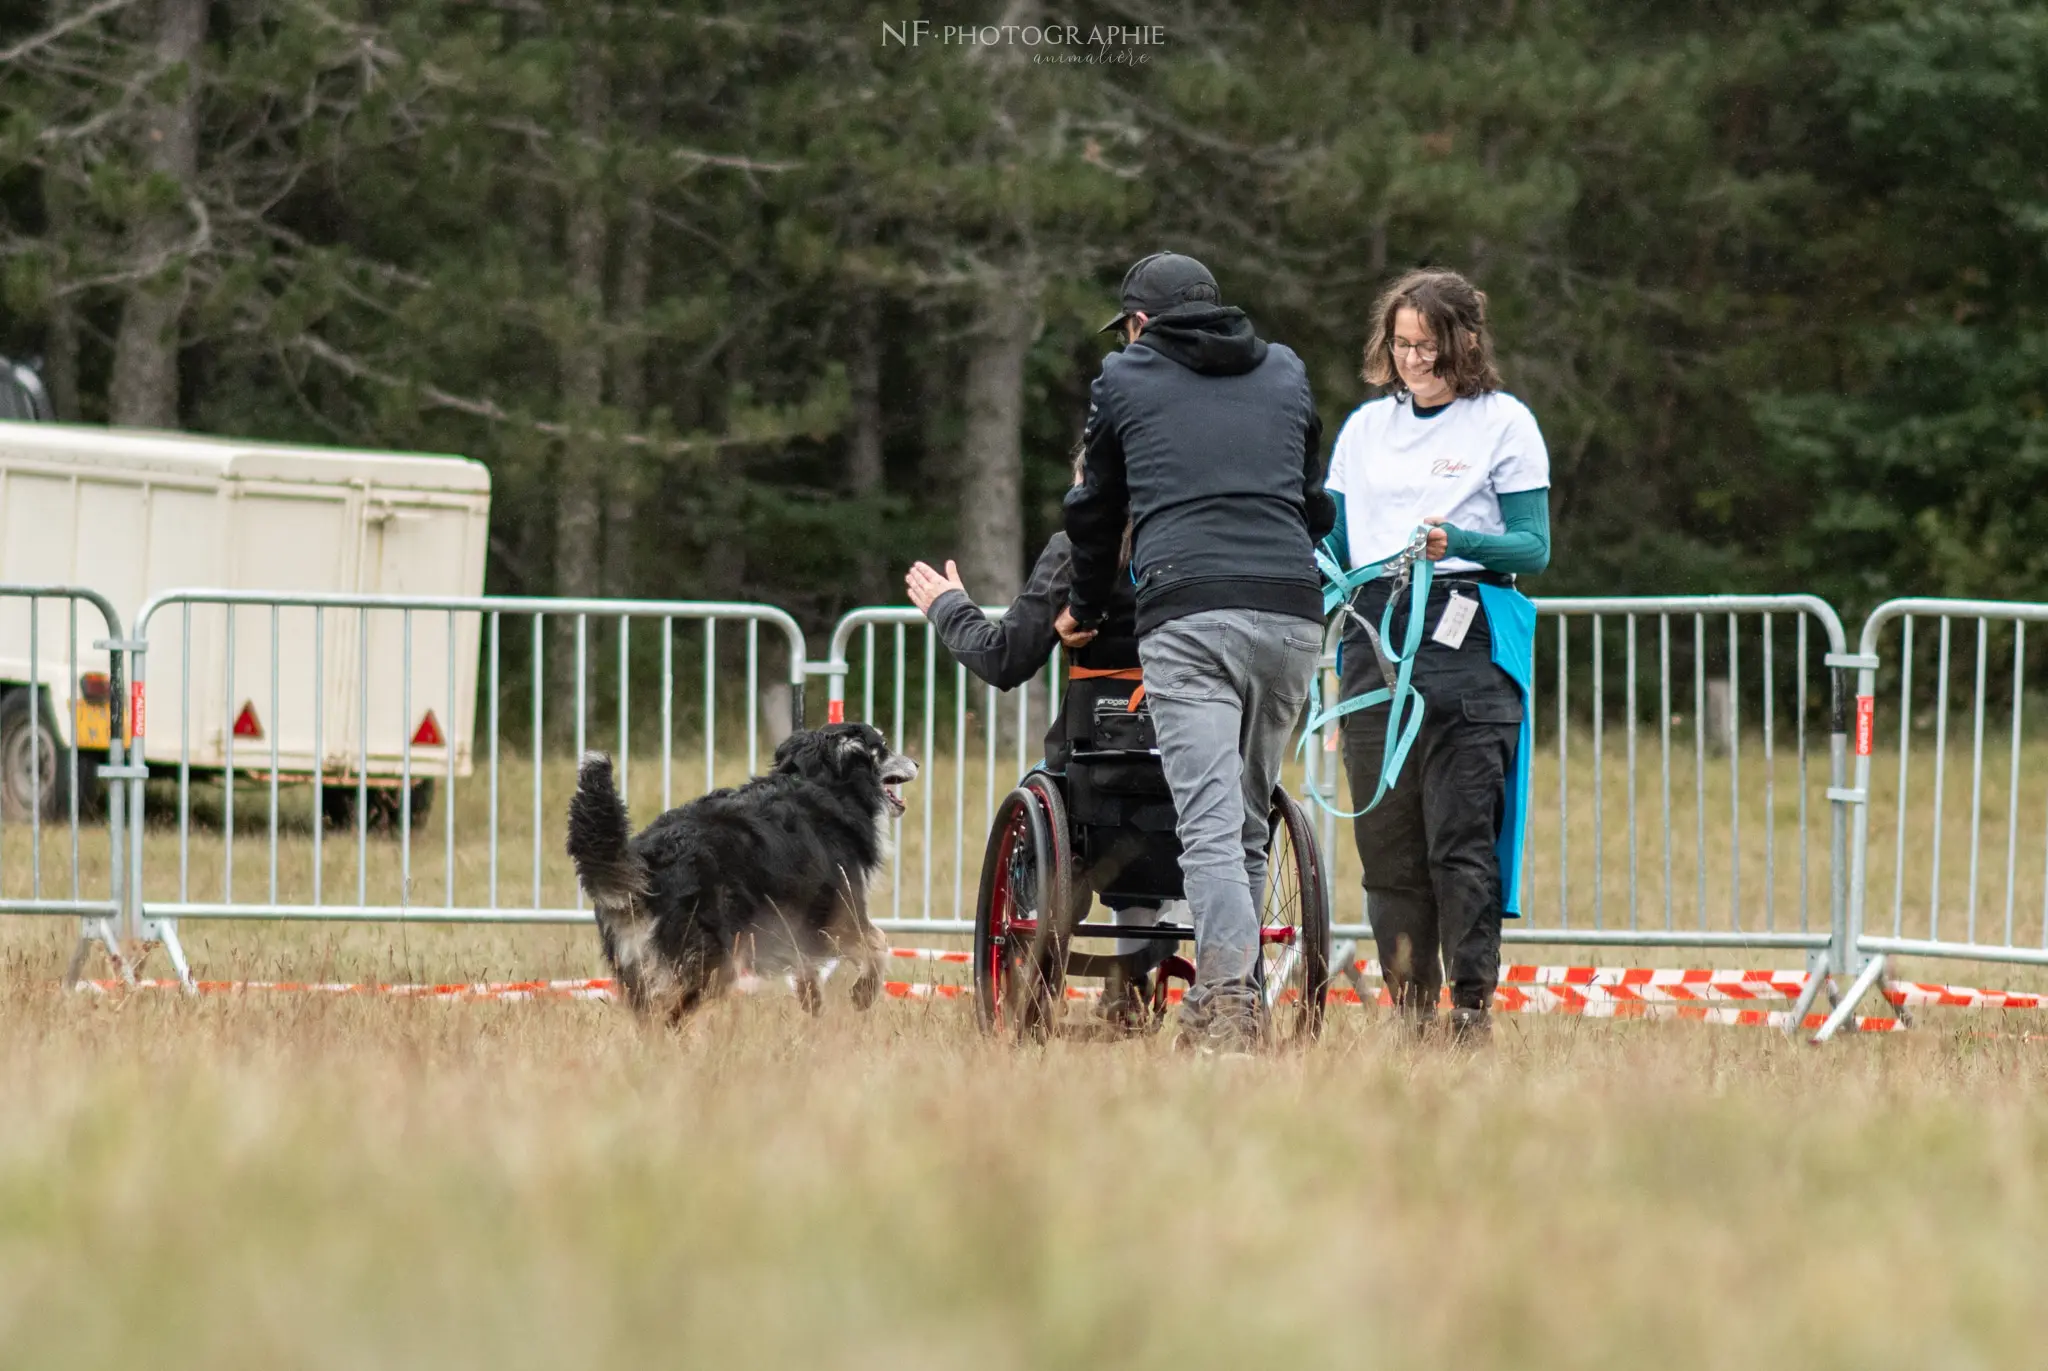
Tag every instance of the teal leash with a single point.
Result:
(1412, 569)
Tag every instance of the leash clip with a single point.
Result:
(1405, 560)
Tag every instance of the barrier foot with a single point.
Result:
(1820, 974)
(1345, 955)
(1868, 977)
(175, 950)
(164, 933)
(100, 931)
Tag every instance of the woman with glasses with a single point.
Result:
(1450, 469)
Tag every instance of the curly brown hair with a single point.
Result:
(1456, 314)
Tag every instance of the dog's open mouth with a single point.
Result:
(899, 773)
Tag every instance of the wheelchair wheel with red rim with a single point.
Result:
(1294, 933)
(1023, 914)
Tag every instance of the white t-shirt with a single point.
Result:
(1395, 470)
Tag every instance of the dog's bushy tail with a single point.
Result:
(600, 836)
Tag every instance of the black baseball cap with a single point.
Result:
(1159, 282)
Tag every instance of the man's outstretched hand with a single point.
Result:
(1071, 633)
(926, 585)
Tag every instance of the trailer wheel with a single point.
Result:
(384, 806)
(29, 745)
(338, 806)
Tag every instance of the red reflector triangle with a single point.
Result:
(247, 725)
(429, 734)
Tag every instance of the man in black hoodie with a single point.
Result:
(1206, 437)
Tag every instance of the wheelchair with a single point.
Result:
(1103, 824)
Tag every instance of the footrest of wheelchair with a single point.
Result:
(1092, 963)
(1171, 932)
(1176, 932)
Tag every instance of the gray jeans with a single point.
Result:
(1227, 687)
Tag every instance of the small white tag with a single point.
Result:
(1451, 629)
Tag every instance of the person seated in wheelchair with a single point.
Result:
(1101, 742)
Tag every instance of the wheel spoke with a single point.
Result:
(1279, 972)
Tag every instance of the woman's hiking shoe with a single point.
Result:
(1471, 1028)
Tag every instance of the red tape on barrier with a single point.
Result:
(1914, 995)
(1693, 995)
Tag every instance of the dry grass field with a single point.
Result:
(270, 1180)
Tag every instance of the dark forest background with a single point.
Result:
(749, 301)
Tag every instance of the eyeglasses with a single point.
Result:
(1421, 352)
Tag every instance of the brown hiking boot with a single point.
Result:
(1226, 1019)
(1125, 1004)
(1415, 1010)
(1471, 1028)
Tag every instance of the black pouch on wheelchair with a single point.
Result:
(1115, 727)
(1127, 791)
(1123, 813)
(1120, 804)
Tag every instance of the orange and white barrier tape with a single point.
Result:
(1760, 984)
(593, 989)
(1651, 983)
(925, 990)
(1582, 1007)
(1588, 1007)
(931, 954)
(1711, 1014)
(1918, 995)
(1704, 993)
(1707, 995)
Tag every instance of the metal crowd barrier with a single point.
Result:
(1651, 826)
(1648, 826)
(48, 787)
(368, 713)
(408, 759)
(1936, 871)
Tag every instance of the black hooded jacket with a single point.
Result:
(1208, 436)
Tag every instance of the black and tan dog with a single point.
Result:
(771, 876)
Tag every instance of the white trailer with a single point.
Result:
(134, 514)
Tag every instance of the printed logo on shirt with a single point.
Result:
(1448, 466)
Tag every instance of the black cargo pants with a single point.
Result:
(1432, 879)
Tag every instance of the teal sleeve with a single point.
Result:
(1525, 547)
(1337, 542)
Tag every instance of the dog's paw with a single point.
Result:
(810, 995)
(867, 987)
